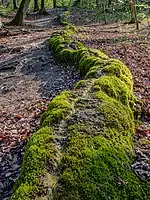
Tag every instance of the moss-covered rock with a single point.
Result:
(86, 139)
(39, 150)
(58, 108)
(115, 88)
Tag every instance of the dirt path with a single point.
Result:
(29, 78)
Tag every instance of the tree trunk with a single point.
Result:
(3, 2)
(82, 6)
(21, 13)
(15, 5)
(42, 9)
(36, 6)
(136, 19)
(132, 5)
(54, 4)
(134, 14)
(104, 10)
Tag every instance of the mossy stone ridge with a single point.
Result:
(85, 141)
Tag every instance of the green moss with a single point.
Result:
(94, 72)
(97, 168)
(87, 62)
(80, 45)
(81, 83)
(58, 49)
(54, 116)
(67, 55)
(97, 165)
(71, 29)
(39, 150)
(78, 54)
(98, 153)
(55, 41)
(57, 109)
(98, 53)
(116, 115)
(115, 88)
(118, 69)
(61, 101)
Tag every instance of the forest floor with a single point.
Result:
(30, 77)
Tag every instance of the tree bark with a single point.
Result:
(42, 9)
(3, 2)
(132, 5)
(21, 13)
(134, 14)
(36, 6)
(15, 5)
(54, 4)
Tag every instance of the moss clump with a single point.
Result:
(39, 150)
(118, 69)
(98, 53)
(96, 165)
(94, 72)
(98, 124)
(55, 41)
(116, 115)
(81, 83)
(87, 62)
(115, 88)
(71, 29)
(58, 49)
(66, 49)
(57, 109)
(66, 55)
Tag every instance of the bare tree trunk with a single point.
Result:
(134, 14)
(15, 5)
(105, 20)
(42, 9)
(54, 4)
(136, 19)
(21, 13)
(36, 6)
(132, 5)
(82, 6)
(3, 2)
